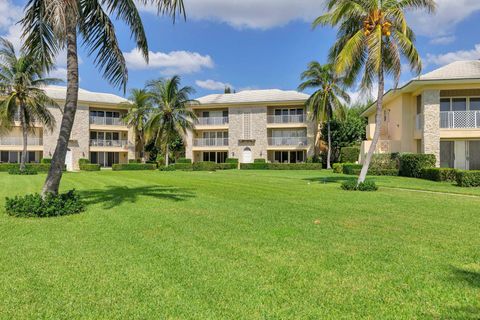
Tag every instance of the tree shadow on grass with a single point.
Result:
(112, 196)
(332, 179)
(471, 278)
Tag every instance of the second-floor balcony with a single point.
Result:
(108, 143)
(210, 142)
(297, 118)
(18, 141)
(460, 120)
(287, 141)
(106, 121)
(211, 121)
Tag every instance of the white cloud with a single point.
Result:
(442, 40)
(10, 14)
(212, 84)
(59, 73)
(175, 62)
(446, 58)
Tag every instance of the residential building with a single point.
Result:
(437, 113)
(253, 124)
(98, 133)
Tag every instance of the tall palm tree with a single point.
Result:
(21, 82)
(326, 100)
(139, 109)
(170, 117)
(52, 25)
(372, 38)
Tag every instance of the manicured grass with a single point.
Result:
(242, 245)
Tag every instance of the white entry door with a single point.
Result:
(69, 160)
(460, 155)
(247, 155)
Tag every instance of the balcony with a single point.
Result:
(212, 121)
(298, 118)
(210, 142)
(288, 141)
(460, 120)
(109, 143)
(106, 121)
(18, 141)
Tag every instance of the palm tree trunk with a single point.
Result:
(166, 155)
(329, 152)
(378, 123)
(23, 158)
(52, 183)
(316, 141)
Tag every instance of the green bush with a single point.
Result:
(133, 166)
(381, 172)
(169, 168)
(204, 166)
(349, 168)
(226, 166)
(337, 168)
(384, 161)
(468, 178)
(253, 166)
(183, 160)
(259, 160)
(89, 167)
(83, 161)
(39, 167)
(26, 172)
(439, 174)
(160, 160)
(33, 205)
(280, 166)
(351, 185)
(411, 164)
(46, 160)
(134, 161)
(349, 154)
(182, 166)
(231, 160)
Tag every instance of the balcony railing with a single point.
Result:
(108, 143)
(109, 121)
(298, 118)
(460, 119)
(18, 141)
(212, 121)
(223, 142)
(287, 141)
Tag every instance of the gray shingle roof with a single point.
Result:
(252, 96)
(59, 93)
(455, 70)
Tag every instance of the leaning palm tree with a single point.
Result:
(372, 38)
(23, 100)
(171, 116)
(52, 25)
(136, 117)
(326, 100)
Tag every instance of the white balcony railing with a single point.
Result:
(109, 121)
(418, 122)
(287, 141)
(212, 121)
(223, 142)
(460, 119)
(18, 141)
(108, 143)
(298, 118)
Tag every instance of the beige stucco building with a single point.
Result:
(98, 133)
(253, 124)
(436, 113)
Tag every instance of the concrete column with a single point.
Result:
(132, 150)
(431, 123)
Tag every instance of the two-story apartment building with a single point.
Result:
(436, 113)
(98, 133)
(253, 124)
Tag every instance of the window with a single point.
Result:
(94, 157)
(459, 104)
(475, 104)
(14, 158)
(419, 104)
(31, 156)
(445, 104)
(447, 157)
(4, 156)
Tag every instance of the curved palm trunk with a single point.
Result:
(23, 158)
(329, 152)
(52, 183)
(316, 147)
(166, 155)
(378, 123)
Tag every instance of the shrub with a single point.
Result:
(26, 172)
(134, 166)
(89, 167)
(231, 160)
(381, 172)
(349, 154)
(83, 161)
(39, 167)
(411, 164)
(259, 161)
(33, 205)
(337, 168)
(294, 166)
(204, 166)
(169, 168)
(468, 178)
(46, 160)
(226, 166)
(134, 161)
(384, 161)
(351, 185)
(254, 166)
(349, 168)
(160, 160)
(183, 160)
(182, 166)
(439, 174)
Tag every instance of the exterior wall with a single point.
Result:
(431, 123)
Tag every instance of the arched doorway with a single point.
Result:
(247, 155)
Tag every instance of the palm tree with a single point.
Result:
(372, 38)
(325, 101)
(52, 25)
(139, 109)
(170, 117)
(21, 80)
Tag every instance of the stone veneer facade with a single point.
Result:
(431, 123)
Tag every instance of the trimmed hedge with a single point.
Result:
(26, 172)
(260, 160)
(439, 174)
(280, 166)
(411, 164)
(89, 167)
(349, 154)
(351, 185)
(183, 160)
(181, 166)
(83, 161)
(133, 166)
(384, 161)
(134, 161)
(231, 160)
(169, 168)
(46, 160)
(468, 178)
(337, 167)
(39, 167)
(349, 168)
(253, 166)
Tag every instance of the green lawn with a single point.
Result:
(243, 245)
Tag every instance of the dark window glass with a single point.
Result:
(4, 156)
(447, 157)
(444, 104)
(93, 113)
(475, 104)
(93, 157)
(419, 104)
(31, 156)
(93, 135)
(459, 104)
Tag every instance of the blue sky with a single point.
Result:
(251, 44)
